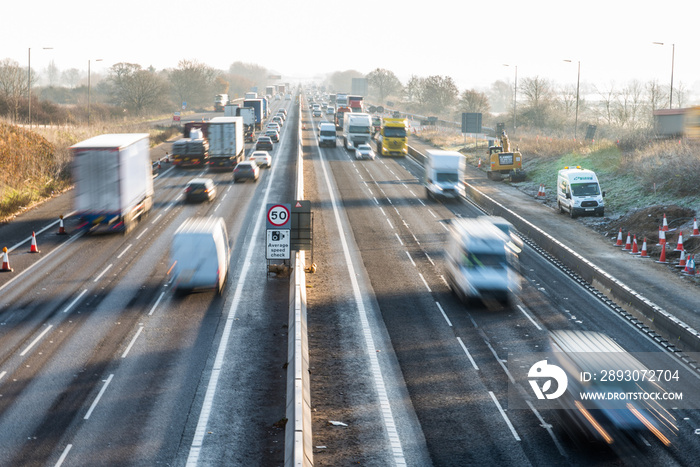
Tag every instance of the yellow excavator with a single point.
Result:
(504, 161)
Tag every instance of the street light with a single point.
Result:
(29, 81)
(673, 59)
(515, 94)
(88, 113)
(578, 82)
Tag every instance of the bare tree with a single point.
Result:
(538, 96)
(628, 105)
(384, 83)
(679, 92)
(472, 100)
(500, 96)
(607, 103)
(52, 74)
(341, 81)
(71, 77)
(440, 93)
(655, 96)
(195, 83)
(136, 89)
(13, 85)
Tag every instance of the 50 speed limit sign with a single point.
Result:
(278, 216)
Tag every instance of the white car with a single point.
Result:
(262, 158)
(364, 151)
(330, 110)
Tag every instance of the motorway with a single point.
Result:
(102, 365)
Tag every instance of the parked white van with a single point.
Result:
(199, 255)
(578, 192)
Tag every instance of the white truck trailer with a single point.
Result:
(113, 181)
(444, 174)
(357, 129)
(226, 143)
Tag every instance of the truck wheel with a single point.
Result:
(571, 213)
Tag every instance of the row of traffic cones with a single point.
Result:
(541, 192)
(33, 248)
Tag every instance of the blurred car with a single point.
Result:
(364, 151)
(317, 112)
(278, 97)
(273, 135)
(262, 158)
(279, 120)
(274, 126)
(282, 115)
(246, 170)
(200, 189)
(330, 110)
(264, 143)
(283, 112)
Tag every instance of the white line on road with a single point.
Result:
(444, 315)
(34, 342)
(99, 396)
(75, 301)
(389, 222)
(124, 251)
(2, 375)
(429, 258)
(141, 234)
(420, 201)
(156, 219)
(548, 427)
(464, 347)
(529, 317)
(63, 456)
(426, 283)
(156, 304)
(505, 368)
(409, 257)
(397, 236)
(133, 340)
(432, 213)
(102, 273)
(505, 417)
(415, 238)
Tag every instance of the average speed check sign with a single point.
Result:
(278, 216)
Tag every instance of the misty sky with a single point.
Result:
(310, 38)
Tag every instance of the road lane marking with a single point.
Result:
(133, 340)
(429, 258)
(34, 342)
(74, 301)
(102, 273)
(156, 304)
(141, 234)
(124, 251)
(2, 375)
(389, 222)
(426, 283)
(397, 236)
(500, 362)
(505, 417)
(63, 456)
(464, 347)
(548, 427)
(444, 315)
(529, 317)
(432, 213)
(99, 396)
(409, 257)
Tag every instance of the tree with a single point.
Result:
(134, 88)
(538, 101)
(500, 96)
(254, 73)
(71, 77)
(607, 102)
(52, 74)
(13, 85)
(341, 81)
(195, 83)
(413, 91)
(384, 83)
(440, 93)
(474, 101)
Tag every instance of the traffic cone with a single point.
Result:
(541, 193)
(479, 164)
(61, 229)
(665, 224)
(690, 269)
(5, 261)
(687, 265)
(682, 262)
(679, 247)
(33, 248)
(696, 232)
(619, 238)
(644, 253)
(628, 243)
(635, 248)
(662, 237)
(662, 258)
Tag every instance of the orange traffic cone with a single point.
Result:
(33, 248)
(679, 247)
(687, 265)
(665, 224)
(662, 258)
(635, 248)
(479, 163)
(628, 243)
(619, 238)
(5, 261)
(696, 232)
(644, 253)
(662, 237)
(61, 229)
(690, 268)
(682, 262)
(541, 193)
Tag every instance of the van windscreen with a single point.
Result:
(585, 189)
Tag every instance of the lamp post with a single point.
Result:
(578, 82)
(89, 86)
(673, 59)
(29, 82)
(515, 94)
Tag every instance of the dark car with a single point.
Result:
(200, 189)
(264, 143)
(246, 170)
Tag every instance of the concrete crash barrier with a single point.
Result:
(673, 330)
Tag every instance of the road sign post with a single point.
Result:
(279, 222)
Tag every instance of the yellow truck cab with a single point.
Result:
(393, 137)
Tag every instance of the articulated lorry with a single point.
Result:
(257, 106)
(220, 102)
(226, 144)
(393, 137)
(113, 181)
(444, 173)
(357, 129)
(248, 115)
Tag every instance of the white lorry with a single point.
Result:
(226, 143)
(479, 263)
(578, 192)
(326, 134)
(444, 174)
(357, 129)
(113, 181)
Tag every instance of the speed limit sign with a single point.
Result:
(278, 216)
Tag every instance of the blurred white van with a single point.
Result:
(199, 255)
